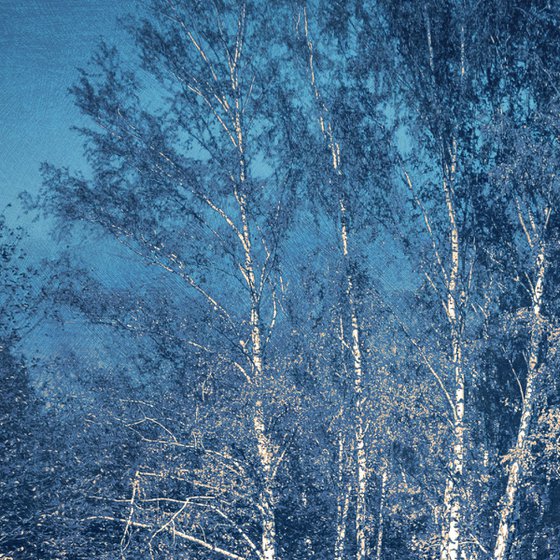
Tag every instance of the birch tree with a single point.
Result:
(534, 221)
(532, 202)
(178, 158)
(346, 178)
(439, 84)
(517, 91)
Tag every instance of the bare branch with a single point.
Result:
(174, 532)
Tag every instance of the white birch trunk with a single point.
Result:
(266, 498)
(264, 445)
(361, 457)
(452, 504)
(359, 435)
(361, 492)
(508, 521)
(451, 530)
(343, 502)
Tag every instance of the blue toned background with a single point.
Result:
(42, 43)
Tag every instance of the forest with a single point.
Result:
(330, 326)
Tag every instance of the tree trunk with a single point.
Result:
(264, 445)
(343, 502)
(361, 510)
(359, 435)
(266, 498)
(508, 520)
(451, 530)
(452, 500)
(361, 457)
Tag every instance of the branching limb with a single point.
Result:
(174, 532)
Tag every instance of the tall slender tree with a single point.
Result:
(186, 158)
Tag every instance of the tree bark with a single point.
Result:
(266, 498)
(507, 514)
(358, 380)
(451, 530)
(361, 457)
(343, 501)
(264, 445)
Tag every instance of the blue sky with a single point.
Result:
(42, 43)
